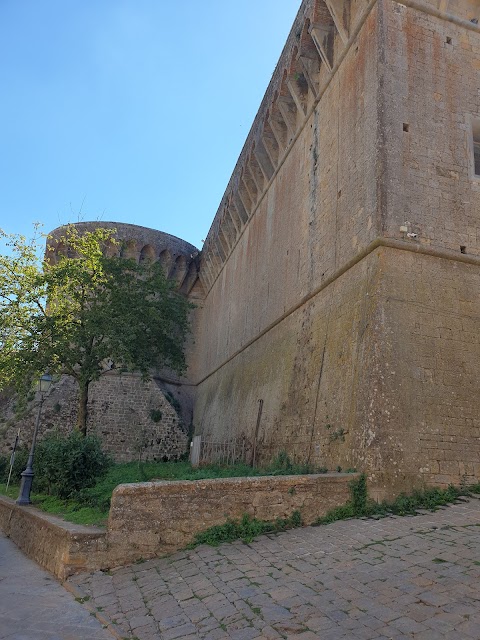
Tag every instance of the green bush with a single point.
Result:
(19, 464)
(66, 465)
(4, 466)
(282, 465)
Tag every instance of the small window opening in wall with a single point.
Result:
(463, 248)
(406, 127)
(449, 40)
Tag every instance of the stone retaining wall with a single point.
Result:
(156, 518)
(61, 547)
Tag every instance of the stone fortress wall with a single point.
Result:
(341, 271)
(338, 287)
(133, 419)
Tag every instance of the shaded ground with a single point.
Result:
(395, 578)
(33, 606)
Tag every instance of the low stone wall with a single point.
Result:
(156, 518)
(61, 547)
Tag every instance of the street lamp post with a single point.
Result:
(27, 475)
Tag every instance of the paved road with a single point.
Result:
(396, 578)
(34, 606)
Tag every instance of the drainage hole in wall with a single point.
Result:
(406, 127)
(463, 248)
(448, 40)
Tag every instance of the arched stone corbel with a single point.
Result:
(287, 107)
(206, 273)
(165, 259)
(309, 59)
(214, 260)
(257, 173)
(340, 12)
(239, 207)
(179, 270)
(247, 190)
(209, 266)
(205, 280)
(279, 128)
(223, 240)
(270, 142)
(235, 220)
(297, 84)
(250, 183)
(218, 248)
(130, 250)
(263, 159)
(229, 229)
(190, 278)
(322, 30)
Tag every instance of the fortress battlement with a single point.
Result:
(178, 257)
(321, 35)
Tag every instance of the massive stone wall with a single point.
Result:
(341, 279)
(337, 290)
(133, 419)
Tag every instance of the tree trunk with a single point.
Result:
(82, 407)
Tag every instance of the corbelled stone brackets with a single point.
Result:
(320, 36)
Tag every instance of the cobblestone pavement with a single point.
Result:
(33, 606)
(413, 577)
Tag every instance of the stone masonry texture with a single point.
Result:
(341, 272)
(154, 518)
(132, 418)
(389, 579)
(337, 288)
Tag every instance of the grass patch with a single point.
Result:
(404, 505)
(245, 529)
(90, 506)
(70, 510)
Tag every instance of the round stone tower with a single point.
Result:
(178, 258)
(133, 419)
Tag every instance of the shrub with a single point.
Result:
(4, 466)
(65, 465)
(19, 464)
(283, 465)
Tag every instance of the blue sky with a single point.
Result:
(129, 110)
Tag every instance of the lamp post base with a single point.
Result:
(25, 487)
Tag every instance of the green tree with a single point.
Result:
(71, 314)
